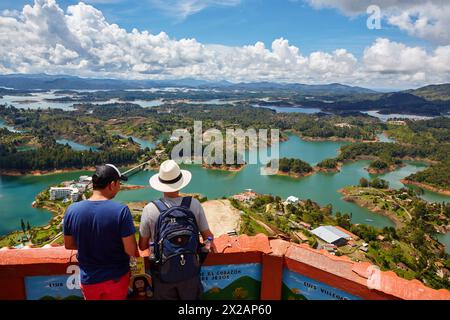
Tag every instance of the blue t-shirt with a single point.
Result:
(98, 228)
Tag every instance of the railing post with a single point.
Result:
(271, 277)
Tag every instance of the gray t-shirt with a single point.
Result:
(150, 216)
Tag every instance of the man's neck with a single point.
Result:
(98, 195)
(171, 194)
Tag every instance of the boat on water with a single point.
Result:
(369, 220)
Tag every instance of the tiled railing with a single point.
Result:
(244, 268)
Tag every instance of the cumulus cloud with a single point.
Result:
(80, 41)
(424, 19)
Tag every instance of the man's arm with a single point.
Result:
(143, 242)
(145, 227)
(128, 233)
(202, 223)
(130, 246)
(69, 243)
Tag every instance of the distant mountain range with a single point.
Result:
(48, 82)
(429, 100)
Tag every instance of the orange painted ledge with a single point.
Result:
(359, 278)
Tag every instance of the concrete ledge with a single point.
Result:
(360, 279)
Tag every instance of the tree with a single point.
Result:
(22, 224)
(343, 220)
(379, 183)
(363, 183)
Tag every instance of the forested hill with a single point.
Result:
(433, 92)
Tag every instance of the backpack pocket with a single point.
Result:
(180, 267)
(180, 260)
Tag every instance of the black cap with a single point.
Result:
(107, 173)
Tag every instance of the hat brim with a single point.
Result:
(186, 177)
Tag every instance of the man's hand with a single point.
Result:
(205, 235)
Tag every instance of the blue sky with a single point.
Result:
(248, 22)
(302, 41)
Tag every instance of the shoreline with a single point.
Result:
(327, 170)
(372, 208)
(324, 139)
(425, 186)
(223, 168)
(391, 168)
(35, 173)
(337, 169)
(371, 157)
(54, 211)
(295, 175)
(132, 187)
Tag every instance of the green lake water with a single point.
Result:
(76, 146)
(17, 193)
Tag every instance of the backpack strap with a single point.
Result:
(160, 205)
(186, 202)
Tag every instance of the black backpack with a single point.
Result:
(176, 242)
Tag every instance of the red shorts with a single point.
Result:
(107, 290)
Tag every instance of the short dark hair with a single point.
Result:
(104, 175)
(99, 183)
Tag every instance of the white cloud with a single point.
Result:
(181, 9)
(395, 60)
(80, 41)
(424, 19)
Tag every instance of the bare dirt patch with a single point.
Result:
(222, 216)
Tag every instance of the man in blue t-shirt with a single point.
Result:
(103, 233)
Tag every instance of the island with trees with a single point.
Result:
(293, 167)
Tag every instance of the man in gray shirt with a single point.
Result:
(170, 180)
(151, 213)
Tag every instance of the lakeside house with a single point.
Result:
(331, 235)
(246, 196)
(71, 190)
(397, 122)
(291, 200)
(58, 193)
(85, 179)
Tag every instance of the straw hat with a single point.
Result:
(170, 178)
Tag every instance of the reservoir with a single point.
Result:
(18, 193)
(4, 125)
(279, 109)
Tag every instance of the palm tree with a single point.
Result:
(22, 225)
(23, 228)
(29, 229)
